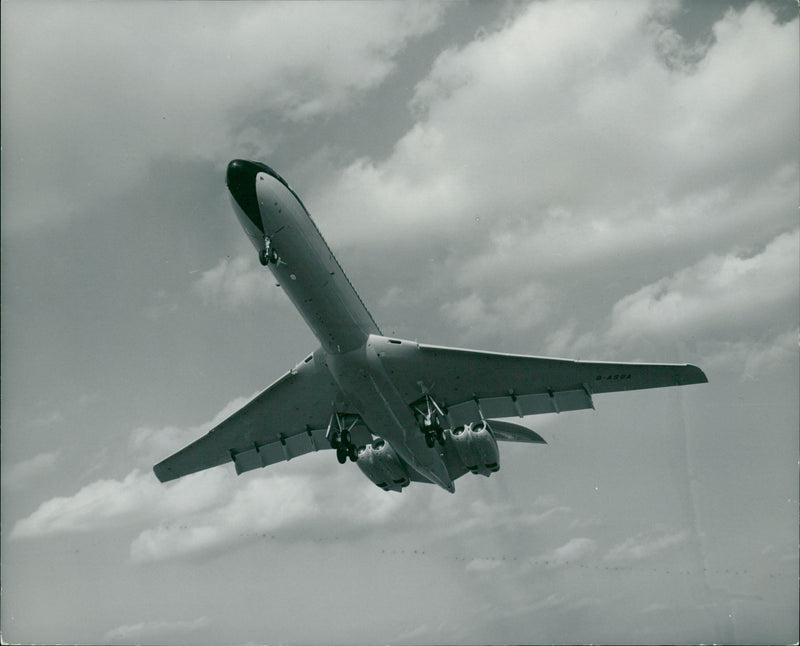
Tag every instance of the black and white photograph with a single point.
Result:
(400, 322)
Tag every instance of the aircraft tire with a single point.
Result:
(341, 455)
(262, 257)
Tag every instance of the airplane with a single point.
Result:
(401, 410)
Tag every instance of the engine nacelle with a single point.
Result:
(477, 448)
(380, 463)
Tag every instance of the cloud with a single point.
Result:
(572, 550)
(204, 512)
(279, 501)
(238, 282)
(27, 469)
(517, 310)
(481, 516)
(138, 496)
(289, 507)
(717, 295)
(735, 308)
(599, 135)
(155, 630)
(151, 80)
(640, 547)
(109, 503)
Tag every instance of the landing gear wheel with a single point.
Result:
(262, 257)
(352, 452)
(272, 255)
(341, 455)
(440, 435)
(430, 439)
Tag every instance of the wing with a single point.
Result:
(288, 419)
(472, 385)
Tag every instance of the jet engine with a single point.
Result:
(379, 462)
(477, 448)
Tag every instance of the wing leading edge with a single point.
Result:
(288, 419)
(474, 385)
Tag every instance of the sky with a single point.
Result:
(610, 181)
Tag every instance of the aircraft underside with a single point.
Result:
(402, 442)
(402, 411)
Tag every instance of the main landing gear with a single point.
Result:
(339, 435)
(430, 415)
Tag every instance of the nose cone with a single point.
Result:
(241, 180)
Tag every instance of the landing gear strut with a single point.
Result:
(429, 415)
(268, 255)
(340, 438)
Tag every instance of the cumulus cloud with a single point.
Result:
(205, 511)
(146, 87)
(572, 550)
(517, 310)
(596, 130)
(113, 502)
(717, 294)
(480, 516)
(286, 506)
(27, 469)
(238, 282)
(640, 547)
(138, 496)
(477, 316)
(736, 308)
(262, 504)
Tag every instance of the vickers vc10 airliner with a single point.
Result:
(401, 410)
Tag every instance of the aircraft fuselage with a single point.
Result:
(304, 266)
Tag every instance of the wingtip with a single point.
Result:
(163, 473)
(695, 375)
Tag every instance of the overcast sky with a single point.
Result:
(589, 180)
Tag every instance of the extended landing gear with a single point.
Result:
(434, 434)
(340, 437)
(268, 255)
(429, 415)
(342, 453)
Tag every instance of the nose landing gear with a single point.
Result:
(268, 255)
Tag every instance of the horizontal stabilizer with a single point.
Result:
(508, 432)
